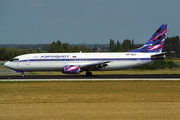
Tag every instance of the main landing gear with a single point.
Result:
(88, 73)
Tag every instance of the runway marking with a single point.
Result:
(131, 79)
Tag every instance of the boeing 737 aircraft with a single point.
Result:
(74, 63)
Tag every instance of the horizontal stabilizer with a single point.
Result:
(163, 53)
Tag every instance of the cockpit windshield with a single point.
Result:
(14, 59)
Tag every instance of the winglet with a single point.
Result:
(156, 42)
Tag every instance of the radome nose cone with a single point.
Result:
(6, 64)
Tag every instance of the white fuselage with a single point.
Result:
(57, 61)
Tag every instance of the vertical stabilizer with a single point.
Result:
(156, 42)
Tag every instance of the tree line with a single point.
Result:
(9, 53)
(170, 44)
(54, 47)
(118, 47)
(64, 47)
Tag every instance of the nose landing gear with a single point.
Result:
(22, 75)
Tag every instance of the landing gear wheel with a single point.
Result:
(88, 73)
(22, 75)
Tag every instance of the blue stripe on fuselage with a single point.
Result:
(89, 59)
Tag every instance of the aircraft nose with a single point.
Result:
(6, 64)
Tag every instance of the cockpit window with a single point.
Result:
(14, 59)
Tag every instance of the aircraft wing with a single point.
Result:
(94, 66)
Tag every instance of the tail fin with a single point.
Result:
(156, 42)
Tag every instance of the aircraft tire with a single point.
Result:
(88, 73)
(22, 75)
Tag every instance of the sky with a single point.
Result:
(89, 21)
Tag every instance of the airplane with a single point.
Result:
(74, 63)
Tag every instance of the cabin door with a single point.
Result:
(138, 60)
(27, 62)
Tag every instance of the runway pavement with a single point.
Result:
(90, 78)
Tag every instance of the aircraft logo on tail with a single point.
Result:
(156, 42)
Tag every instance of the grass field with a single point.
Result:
(90, 100)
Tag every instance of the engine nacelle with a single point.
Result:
(71, 69)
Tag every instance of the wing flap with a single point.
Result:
(94, 66)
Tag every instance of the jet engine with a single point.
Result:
(71, 69)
